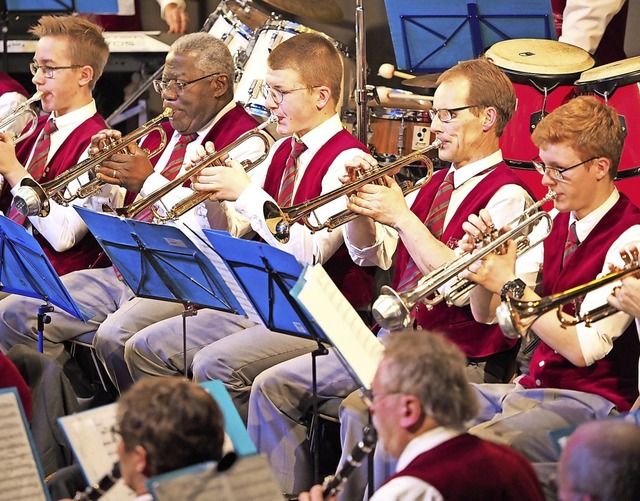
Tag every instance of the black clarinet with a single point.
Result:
(334, 483)
(98, 489)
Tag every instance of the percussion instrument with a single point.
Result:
(269, 36)
(395, 132)
(542, 73)
(618, 85)
(327, 11)
(235, 25)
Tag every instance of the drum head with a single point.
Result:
(528, 58)
(610, 76)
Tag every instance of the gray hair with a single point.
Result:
(433, 369)
(213, 54)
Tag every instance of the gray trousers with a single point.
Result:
(115, 315)
(223, 346)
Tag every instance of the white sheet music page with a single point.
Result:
(20, 477)
(357, 346)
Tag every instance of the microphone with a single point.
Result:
(387, 70)
(334, 484)
(95, 491)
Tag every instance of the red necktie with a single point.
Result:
(170, 170)
(435, 224)
(38, 163)
(291, 167)
(571, 244)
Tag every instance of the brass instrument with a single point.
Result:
(392, 310)
(515, 317)
(196, 198)
(280, 219)
(32, 198)
(20, 110)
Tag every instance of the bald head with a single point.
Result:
(601, 462)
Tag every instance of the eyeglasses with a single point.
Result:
(177, 86)
(369, 396)
(48, 70)
(277, 95)
(554, 172)
(445, 115)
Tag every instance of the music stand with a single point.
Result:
(434, 36)
(160, 262)
(26, 270)
(258, 268)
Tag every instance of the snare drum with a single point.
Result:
(618, 84)
(542, 73)
(397, 132)
(236, 25)
(270, 35)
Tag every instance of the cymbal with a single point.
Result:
(327, 11)
(427, 81)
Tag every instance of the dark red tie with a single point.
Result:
(291, 168)
(171, 169)
(38, 163)
(435, 224)
(571, 244)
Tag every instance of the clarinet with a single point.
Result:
(98, 489)
(334, 483)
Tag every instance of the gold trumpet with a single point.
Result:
(32, 198)
(392, 310)
(196, 198)
(280, 219)
(20, 110)
(515, 317)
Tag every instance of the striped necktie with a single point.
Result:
(291, 168)
(37, 165)
(571, 244)
(435, 224)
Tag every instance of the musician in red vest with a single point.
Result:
(70, 56)
(197, 85)
(472, 104)
(12, 94)
(576, 372)
(420, 400)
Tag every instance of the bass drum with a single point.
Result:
(269, 36)
(236, 25)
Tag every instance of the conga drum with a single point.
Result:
(618, 85)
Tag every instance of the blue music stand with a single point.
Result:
(26, 270)
(434, 36)
(63, 6)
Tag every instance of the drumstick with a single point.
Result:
(387, 70)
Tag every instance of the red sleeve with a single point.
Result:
(10, 376)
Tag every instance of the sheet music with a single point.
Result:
(249, 478)
(20, 476)
(354, 342)
(118, 41)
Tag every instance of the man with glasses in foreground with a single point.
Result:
(419, 404)
(197, 85)
(578, 372)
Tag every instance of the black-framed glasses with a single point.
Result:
(177, 86)
(48, 71)
(445, 115)
(555, 172)
(277, 95)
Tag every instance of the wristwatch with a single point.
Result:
(514, 288)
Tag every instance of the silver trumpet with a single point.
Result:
(392, 310)
(20, 110)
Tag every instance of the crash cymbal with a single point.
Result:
(427, 81)
(327, 11)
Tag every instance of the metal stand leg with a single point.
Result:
(43, 318)
(188, 312)
(315, 425)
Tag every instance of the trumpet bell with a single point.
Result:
(31, 199)
(390, 311)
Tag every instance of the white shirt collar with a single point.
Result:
(317, 137)
(589, 222)
(425, 442)
(75, 117)
(474, 168)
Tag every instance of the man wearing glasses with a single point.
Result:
(70, 56)
(576, 372)
(197, 86)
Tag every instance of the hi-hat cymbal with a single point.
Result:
(427, 81)
(327, 11)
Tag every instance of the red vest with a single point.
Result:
(355, 282)
(614, 377)
(86, 251)
(476, 340)
(611, 47)
(467, 467)
(8, 84)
